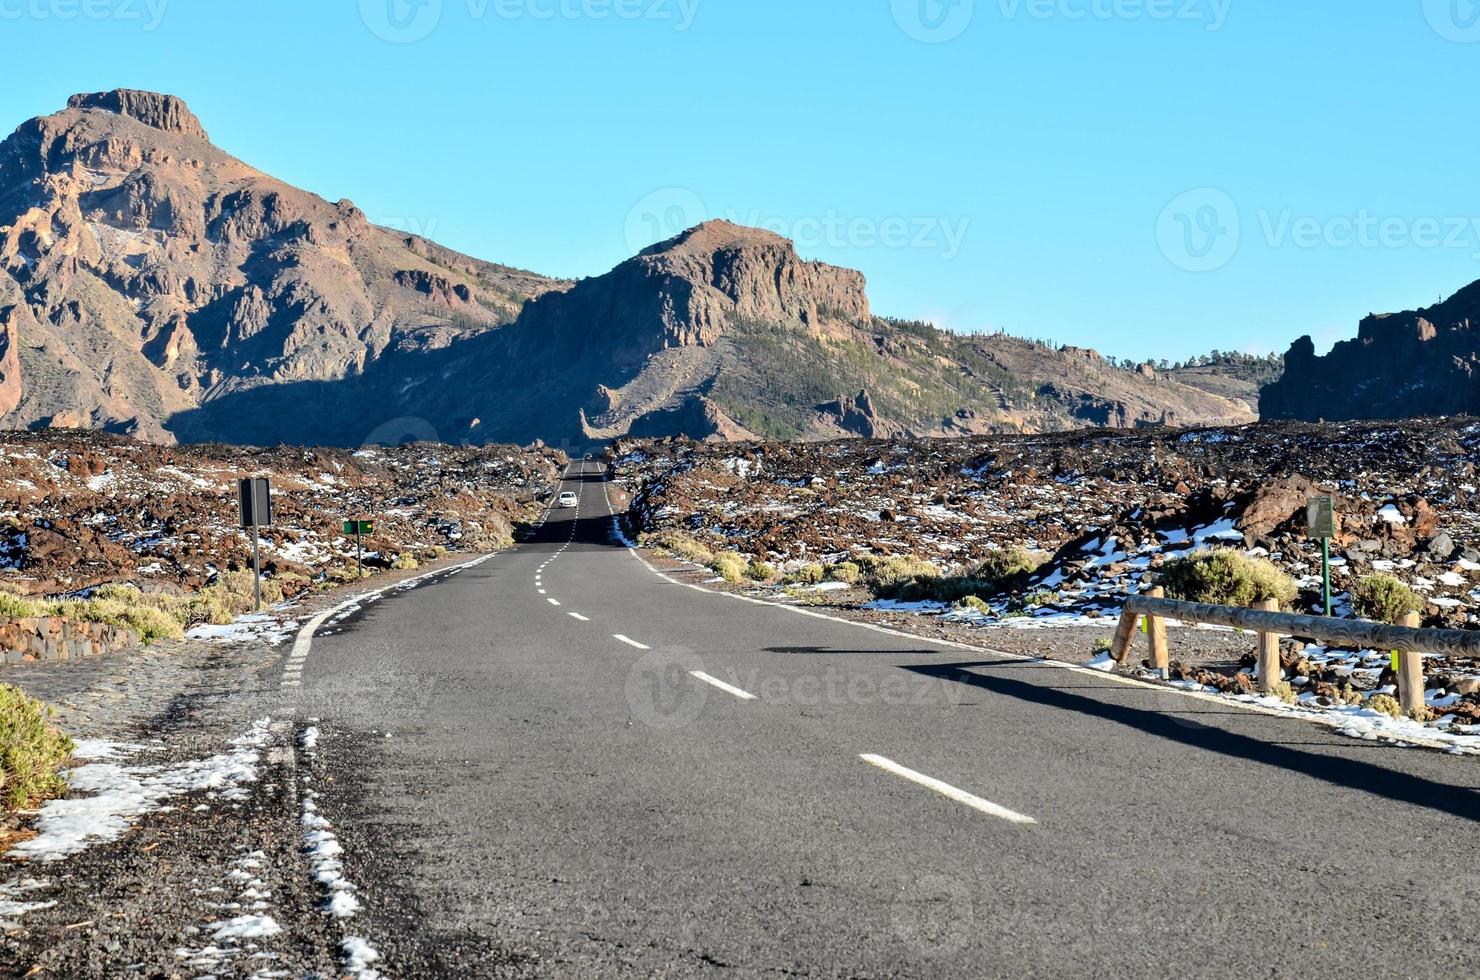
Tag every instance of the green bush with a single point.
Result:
(807, 575)
(31, 750)
(1005, 564)
(975, 604)
(1386, 704)
(230, 596)
(406, 562)
(680, 546)
(1226, 577)
(848, 572)
(730, 566)
(760, 571)
(1385, 599)
(14, 607)
(898, 576)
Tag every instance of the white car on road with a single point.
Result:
(568, 500)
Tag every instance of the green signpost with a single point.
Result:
(1320, 515)
(359, 529)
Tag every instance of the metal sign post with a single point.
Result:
(358, 529)
(1320, 515)
(255, 498)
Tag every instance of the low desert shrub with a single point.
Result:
(228, 597)
(406, 562)
(31, 750)
(1384, 598)
(1003, 565)
(848, 572)
(680, 546)
(973, 603)
(807, 575)
(1386, 704)
(14, 607)
(898, 576)
(730, 566)
(1226, 577)
(1284, 691)
(760, 571)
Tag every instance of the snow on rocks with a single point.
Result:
(107, 798)
(1107, 510)
(325, 856)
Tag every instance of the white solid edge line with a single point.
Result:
(303, 642)
(630, 642)
(1335, 724)
(578, 616)
(727, 688)
(947, 790)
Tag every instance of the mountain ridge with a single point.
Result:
(155, 285)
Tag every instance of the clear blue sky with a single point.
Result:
(1015, 164)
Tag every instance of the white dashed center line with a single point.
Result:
(947, 790)
(727, 688)
(578, 616)
(630, 642)
(553, 602)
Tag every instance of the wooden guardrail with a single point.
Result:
(1269, 624)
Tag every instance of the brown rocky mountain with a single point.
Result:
(155, 285)
(146, 272)
(1423, 362)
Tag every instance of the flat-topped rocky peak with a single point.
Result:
(167, 113)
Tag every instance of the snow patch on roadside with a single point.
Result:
(324, 853)
(118, 795)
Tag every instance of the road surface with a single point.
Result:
(559, 763)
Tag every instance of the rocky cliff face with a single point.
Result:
(1423, 362)
(152, 284)
(146, 272)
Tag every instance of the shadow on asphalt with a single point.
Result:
(835, 650)
(1458, 801)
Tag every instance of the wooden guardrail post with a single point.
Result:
(1410, 672)
(1156, 627)
(1125, 636)
(1270, 673)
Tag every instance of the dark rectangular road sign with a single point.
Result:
(359, 527)
(255, 496)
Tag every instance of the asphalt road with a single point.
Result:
(530, 779)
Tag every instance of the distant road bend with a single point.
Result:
(595, 771)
